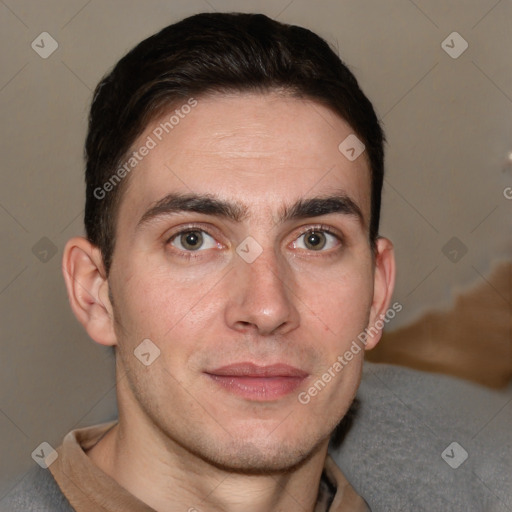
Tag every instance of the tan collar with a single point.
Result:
(346, 498)
(89, 489)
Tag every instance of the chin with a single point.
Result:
(265, 456)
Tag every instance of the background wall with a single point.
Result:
(446, 202)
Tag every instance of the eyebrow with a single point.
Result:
(209, 205)
(318, 206)
(235, 211)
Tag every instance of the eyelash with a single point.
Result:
(324, 229)
(189, 255)
(195, 254)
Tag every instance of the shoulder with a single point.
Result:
(36, 492)
(427, 439)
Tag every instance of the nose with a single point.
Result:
(261, 297)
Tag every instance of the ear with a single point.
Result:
(87, 286)
(384, 283)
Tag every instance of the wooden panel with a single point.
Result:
(472, 341)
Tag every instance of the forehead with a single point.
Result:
(262, 150)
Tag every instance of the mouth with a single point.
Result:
(258, 383)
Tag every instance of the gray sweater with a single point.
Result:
(37, 492)
(400, 453)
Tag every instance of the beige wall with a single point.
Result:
(448, 123)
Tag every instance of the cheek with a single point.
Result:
(341, 300)
(155, 305)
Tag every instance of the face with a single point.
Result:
(242, 253)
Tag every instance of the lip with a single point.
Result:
(258, 383)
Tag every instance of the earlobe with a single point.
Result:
(384, 283)
(87, 287)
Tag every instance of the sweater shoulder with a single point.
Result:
(36, 492)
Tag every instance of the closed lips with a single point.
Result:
(255, 371)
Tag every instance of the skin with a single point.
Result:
(182, 439)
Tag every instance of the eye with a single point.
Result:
(193, 240)
(316, 240)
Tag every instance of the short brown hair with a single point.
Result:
(207, 53)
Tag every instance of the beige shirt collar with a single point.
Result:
(89, 489)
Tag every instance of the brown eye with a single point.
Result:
(315, 240)
(193, 240)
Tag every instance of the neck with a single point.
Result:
(160, 472)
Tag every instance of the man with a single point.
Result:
(234, 173)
